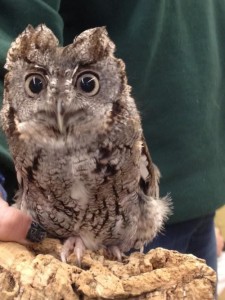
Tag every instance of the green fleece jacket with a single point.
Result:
(175, 56)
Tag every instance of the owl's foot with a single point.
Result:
(73, 244)
(114, 252)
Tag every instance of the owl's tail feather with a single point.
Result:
(154, 212)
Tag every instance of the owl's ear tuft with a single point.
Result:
(40, 38)
(44, 39)
(94, 44)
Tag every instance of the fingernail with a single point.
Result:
(36, 233)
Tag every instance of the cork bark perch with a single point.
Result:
(36, 273)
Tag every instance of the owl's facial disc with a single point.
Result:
(61, 111)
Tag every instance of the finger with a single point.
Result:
(14, 224)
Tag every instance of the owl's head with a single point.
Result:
(63, 88)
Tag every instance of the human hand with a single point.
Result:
(14, 224)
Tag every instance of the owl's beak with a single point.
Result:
(59, 114)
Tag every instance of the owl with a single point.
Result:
(75, 135)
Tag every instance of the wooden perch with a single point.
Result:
(36, 273)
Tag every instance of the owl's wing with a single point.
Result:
(150, 174)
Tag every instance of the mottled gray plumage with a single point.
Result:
(75, 134)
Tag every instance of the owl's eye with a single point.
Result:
(34, 84)
(88, 83)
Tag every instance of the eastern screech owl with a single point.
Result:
(75, 135)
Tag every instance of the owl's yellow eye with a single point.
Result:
(88, 83)
(34, 84)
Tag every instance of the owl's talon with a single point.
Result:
(67, 248)
(73, 244)
(142, 250)
(115, 252)
(79, 250)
